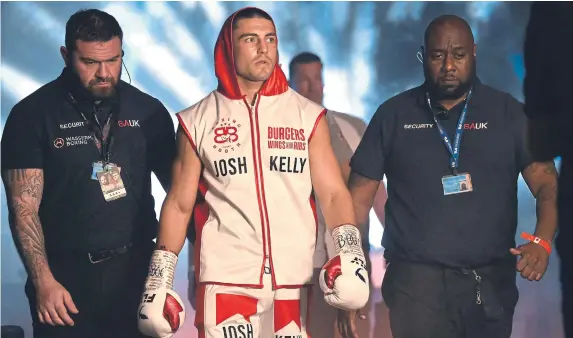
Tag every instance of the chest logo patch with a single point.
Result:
(226, 135)
(59, 142)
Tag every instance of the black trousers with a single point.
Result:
(106, 294)
(430, 301)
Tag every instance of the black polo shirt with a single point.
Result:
(45, 131)
(422, 224)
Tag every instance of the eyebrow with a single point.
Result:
(255, 35)
(457, 49)
(94, 60)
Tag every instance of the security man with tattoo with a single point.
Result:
(77, 157)
(452, 150)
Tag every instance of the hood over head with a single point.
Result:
(225, 66)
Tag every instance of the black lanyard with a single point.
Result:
(101, 135)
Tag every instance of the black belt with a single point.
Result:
(93, 257)
(104, 255)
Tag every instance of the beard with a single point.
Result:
(91, 92)
(448, 92)
(103, 93)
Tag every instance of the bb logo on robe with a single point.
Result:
(287, 318)
(226, 135)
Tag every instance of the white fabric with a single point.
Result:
(257, 180)
(270, 306)
(350, 133)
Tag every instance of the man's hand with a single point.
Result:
(53, 304)
(346, 322)
(533, 261)
(24, 191)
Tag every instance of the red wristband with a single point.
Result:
(545, 244)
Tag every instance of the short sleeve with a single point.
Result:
(21, 141)
(161, 143)
(368, 159)
(518, 121)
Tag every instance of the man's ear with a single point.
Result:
(65, 55)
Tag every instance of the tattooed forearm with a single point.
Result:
(24, 188)
(541, 177)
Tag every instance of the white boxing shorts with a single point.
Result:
(240, 312)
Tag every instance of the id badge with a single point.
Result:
(97, 167)
(457, 184)
(111, 183)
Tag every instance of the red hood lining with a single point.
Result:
(225, 66)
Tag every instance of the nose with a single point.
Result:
(263, 47)
(448, 64)
(102, 70)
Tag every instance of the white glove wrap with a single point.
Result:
(347, 240)
(161, 270)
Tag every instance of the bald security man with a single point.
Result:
(452, 150)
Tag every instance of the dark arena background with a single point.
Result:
(369, 51)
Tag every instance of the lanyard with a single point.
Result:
(455, 150)
(102, 135)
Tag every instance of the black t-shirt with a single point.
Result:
(45, 131)
(422, 224)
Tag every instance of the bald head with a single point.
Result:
(449, 57)
(448, 23)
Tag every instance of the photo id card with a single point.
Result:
(457, 184)
(98, 167)
(111, 183)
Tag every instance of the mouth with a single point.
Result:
(449, 79)
(103, 84)
(262, 63)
